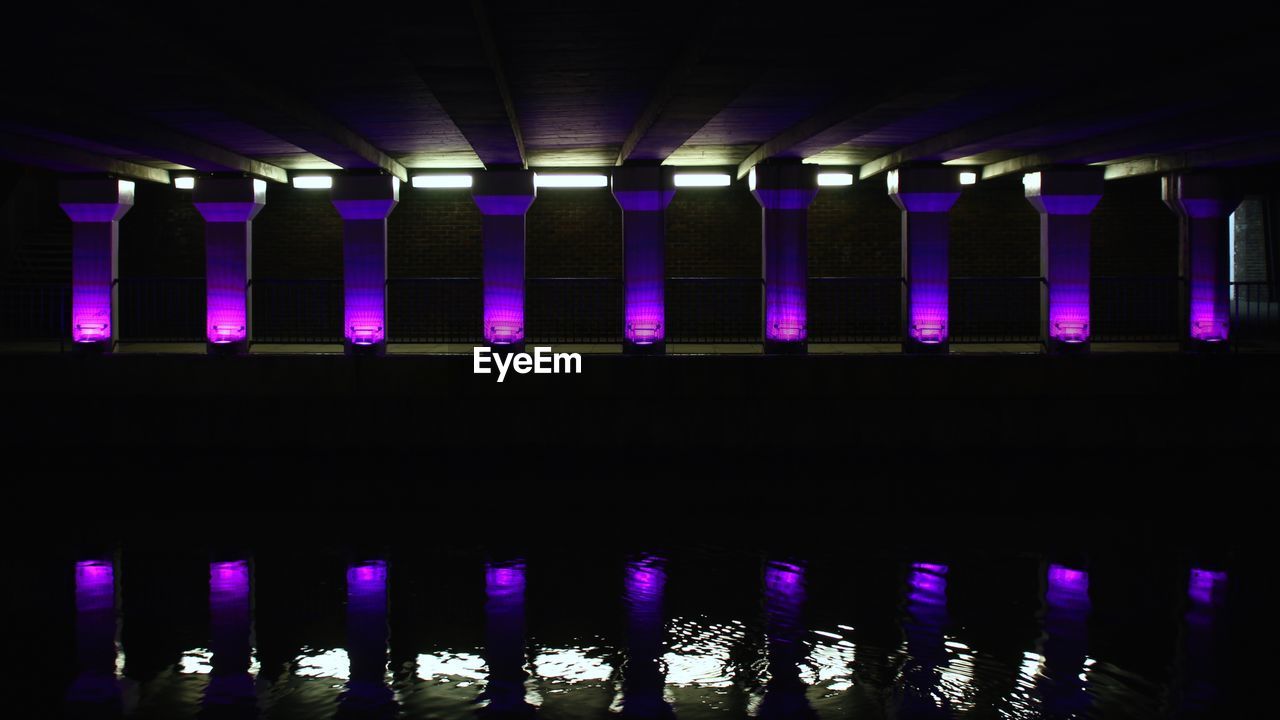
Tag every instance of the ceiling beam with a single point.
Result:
(143, 137)
(855, 115)
(1166, 138)
(1257, 152)
(61, 158)
(499, 76)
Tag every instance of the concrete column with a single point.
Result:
(503, 196)
(926, 195)
(643, 193)
(228, 206)
(1204, 204)
(784, 192)
(364, 202)
(95, 208)
(1064, 199)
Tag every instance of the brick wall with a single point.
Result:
(1250, 261)
(713, 232)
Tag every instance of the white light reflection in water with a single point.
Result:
(698, 654)
(445, 667)
(572, 665)
(199, 661)
(322, 664)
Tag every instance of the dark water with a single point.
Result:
(563, 629)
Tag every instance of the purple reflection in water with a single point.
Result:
(784, 597)
(97, 628)
(1204, 640)
(367, 637)
(1066, 640)
(643, 584)
(230, 636)
(924, 625)
(504, 693)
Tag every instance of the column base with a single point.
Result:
(1200, 347)
(657, 348)
(93, 348)
(1057, 347)
(232, 349)
(507, 349)
(911, 347)
(773, 347)
(351, 349)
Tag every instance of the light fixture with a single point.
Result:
(571, 181)
(702, 180)
(312, 182)
(442, 181)
(184, 182)
(835, 178)
(968, 178)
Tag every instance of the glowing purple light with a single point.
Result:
(1206, 587)
(504, 637)
(504, 580)
(97, 627)
(95, 208)
(1064, 199)
(1068, 587)
(230, 609)
(364, 202)
(95, 585)
(927, 584)
(1204, 204)
(925, 196)
(644, 275)
(786, 257)
(228, 206)
(503, 229)
(644, 580)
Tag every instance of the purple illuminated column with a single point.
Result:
(1205, 643)
(925, 195)
(1064, 199)
(364, 202)
(642, 682)
(1203, 204)
(1066, 641)
(784, 596)
(503, 196)
(95, 208)
(784, 192)
(504, 649)
(230, 635)
(228, 206)
(97, 632)
(367, 637)
(643, 193)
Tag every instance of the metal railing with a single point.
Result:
(714, 310)
(297, 311)
(1134, 309)
(573, 310)
(1255, 314)
(855, 309)
(161, 309)
(435, 310)
(35, 312)
(995, 309)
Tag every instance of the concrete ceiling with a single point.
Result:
(482, 83)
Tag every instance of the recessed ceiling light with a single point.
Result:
(968, 178)
(313, 182)
(442, 181)
(571, 181)
(184, 182)
(702, 180)
(835, 178)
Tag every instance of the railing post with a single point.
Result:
(1203, 204)
(644, 193)
(926, 195)
(364, 202)
(228, 206)
(785, 192)
(1064, 198)
(95, 207)
(504, 196)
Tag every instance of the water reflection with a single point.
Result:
(643, 677)
(1065, 646)
(1203, 641)
(784, 595)
(504, 647)
(367, 693)
(95, 692)
(925, 626)
(230, 692)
